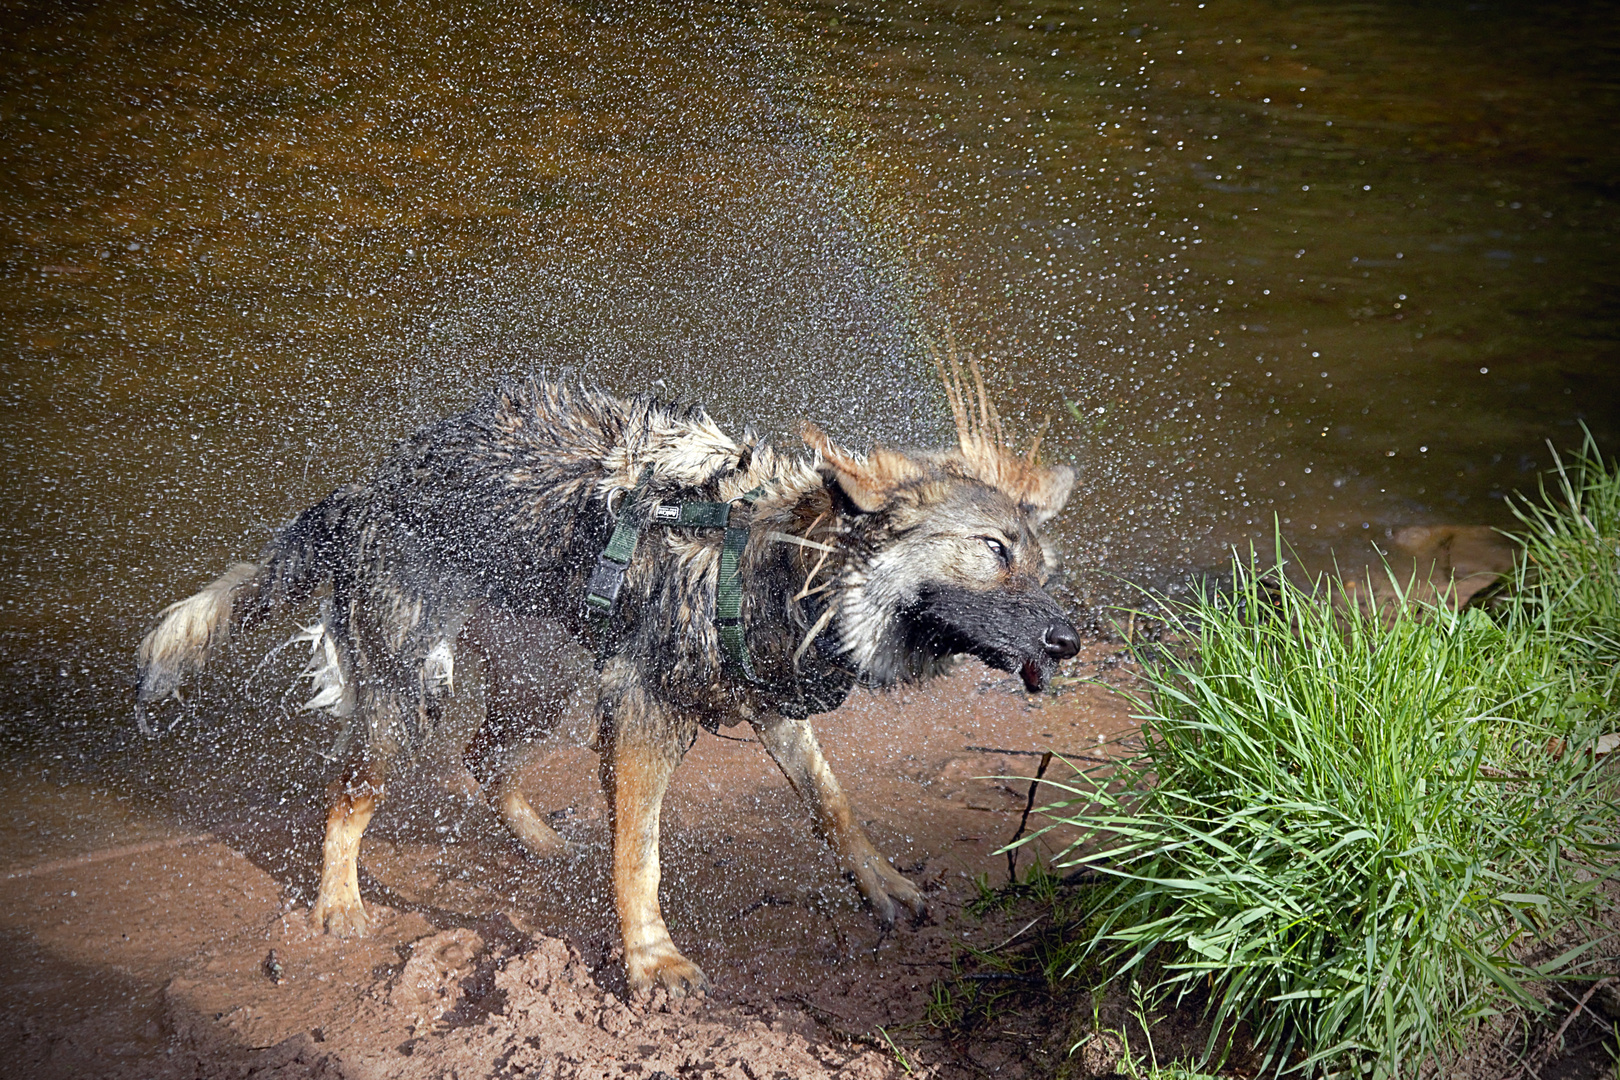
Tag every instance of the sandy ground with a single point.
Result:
(142, 946)
(159, 928)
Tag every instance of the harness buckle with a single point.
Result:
(607, 581)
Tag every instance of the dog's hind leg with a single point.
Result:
(792, 743)
(521, 705)
(639, 749)
(351, 800)
(496, 766)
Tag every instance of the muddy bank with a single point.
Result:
(170, 936)
(416, 1001)
(138, 944)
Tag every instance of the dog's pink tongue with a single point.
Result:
(1031, 673)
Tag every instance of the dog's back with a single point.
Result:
(504, 503)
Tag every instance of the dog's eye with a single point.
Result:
(998, 549)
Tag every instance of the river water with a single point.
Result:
(1337, 266)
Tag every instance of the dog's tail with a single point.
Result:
(292, 565)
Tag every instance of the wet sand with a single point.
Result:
(149, 947)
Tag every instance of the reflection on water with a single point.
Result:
(1345, 264)
(1348, 265)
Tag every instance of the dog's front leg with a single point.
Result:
(793, 744)
(638, 756)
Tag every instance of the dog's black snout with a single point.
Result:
(1061, 641)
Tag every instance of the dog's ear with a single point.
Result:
(1039, 492)
(1045, 493)
(867, 484)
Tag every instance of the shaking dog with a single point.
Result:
(716, 582)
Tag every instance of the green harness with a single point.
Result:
(734, 516)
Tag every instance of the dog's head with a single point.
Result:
(945, 557)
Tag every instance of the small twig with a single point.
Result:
(1066, 755)
(1542, 1055)
(1023, 822)
(810, 634)
(768, 900)
(1524, 1068)
(1010, 940)
(826, 549)
(807, 592)
(789, 538)
(831, 1021)
(1579, 1005)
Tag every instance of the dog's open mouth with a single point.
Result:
(1030, 670)
(931, 631)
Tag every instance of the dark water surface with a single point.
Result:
(1348, 264)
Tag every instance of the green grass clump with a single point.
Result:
(1571, 571)
(1347, 830)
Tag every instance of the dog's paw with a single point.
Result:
(542, 842)
(886, 890)
(665, 967)
(530, 830)
(341, 918)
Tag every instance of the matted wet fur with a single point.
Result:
(481, 531)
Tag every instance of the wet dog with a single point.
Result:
(715, 581)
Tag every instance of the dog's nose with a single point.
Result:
(1061, 641)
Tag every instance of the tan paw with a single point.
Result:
(667, 968)
(883, 887)
(344, 919)
(538, 838)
